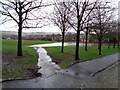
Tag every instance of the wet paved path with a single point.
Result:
(71, 77)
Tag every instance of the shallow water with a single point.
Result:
(60, 44)
(47, 67)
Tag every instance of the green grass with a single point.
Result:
(15, 69)
(67, 58)
(8, 45)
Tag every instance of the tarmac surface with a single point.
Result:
(96, 73)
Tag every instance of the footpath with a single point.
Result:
(71, 77)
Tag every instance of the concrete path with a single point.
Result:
(71, 77)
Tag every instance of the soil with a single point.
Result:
(32, 71)
(60, 60)
(7, 58)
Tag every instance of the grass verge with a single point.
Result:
(68, 57)
(14, 67)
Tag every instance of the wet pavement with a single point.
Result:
(78, 75)
(95, 64)
(106, 79)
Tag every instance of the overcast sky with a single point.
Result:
(10, 26)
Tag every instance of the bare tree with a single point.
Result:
(87, 30)
(109, 38)
(115, 34)
(59, 17)
(23, 13)
(80, 11)
(118, 24)
(112, 34)
(101, 15)
(118, 39)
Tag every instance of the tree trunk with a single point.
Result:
(20, 40)
(114, 45)
(86, 41)
(109, 43)
(78, 34)
(100, 51)
(77, 45)
(118, 45)
(20, 32)
(63, 37)
(100, 46)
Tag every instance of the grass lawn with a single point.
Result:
(15, 67)
(68, 57)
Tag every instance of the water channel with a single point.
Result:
(47, 67)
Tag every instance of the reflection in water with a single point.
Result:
(47, 67)
(45, 63)
(60, 44)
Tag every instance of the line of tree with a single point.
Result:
(72, 14)
(113, 34)
(80, 15)
(88, 17)
(101, 15)
(82, 10)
